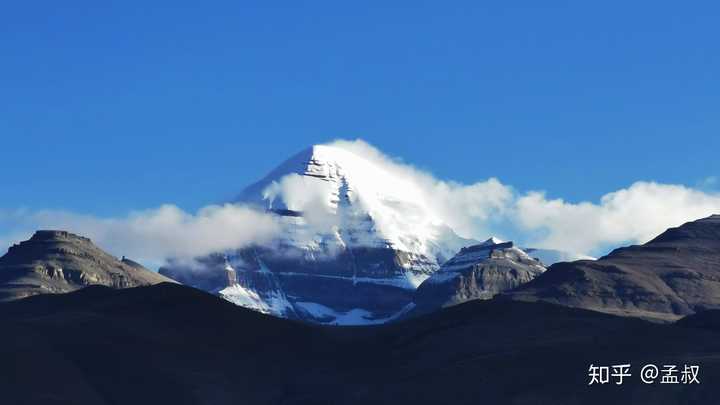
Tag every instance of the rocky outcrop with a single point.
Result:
(58, 262)
(476, 273)
(673, 275)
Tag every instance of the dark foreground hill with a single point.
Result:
(673, 275)
(169, 344)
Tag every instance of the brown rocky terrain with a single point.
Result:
(53, 262)
(476, 272)
(671, 276)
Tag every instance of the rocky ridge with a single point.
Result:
(53, 261)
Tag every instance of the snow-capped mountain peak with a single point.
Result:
(360, 233)
(332, 195)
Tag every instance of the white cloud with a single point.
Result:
(469, 209)
(631, 215)
(151, 236)
(302, 194)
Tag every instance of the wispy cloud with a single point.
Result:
(709, 183)
(153, 235)
(631, 215)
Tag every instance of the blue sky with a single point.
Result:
(105, 109)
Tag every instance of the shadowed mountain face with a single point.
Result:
(675, 274)
(290, 283)
(58, 261)
(172, 344)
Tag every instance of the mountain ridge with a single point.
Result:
(675, 274)
(54, 261)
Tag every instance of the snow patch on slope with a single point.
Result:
(355, 316)
(274, 304)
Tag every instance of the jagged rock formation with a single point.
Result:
(476, 273)
(673, 275)
(58, 262)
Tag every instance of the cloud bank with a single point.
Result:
(151, 236)
(631, 215)
(634, 214)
